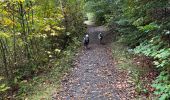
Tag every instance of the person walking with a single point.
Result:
(86, 41)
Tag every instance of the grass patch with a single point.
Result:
(125, 60)
(122, 57)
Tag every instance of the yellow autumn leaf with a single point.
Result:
(60, 15)
(16, 0)
(1, 77)
(4, 35)
(7, 22)
(47, 28)
(53, 33)
(21, 0)
(58, 28)
(57, 50)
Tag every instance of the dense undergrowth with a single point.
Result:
(35, 36)
(48, 82)
(143, 25)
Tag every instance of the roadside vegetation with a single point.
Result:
(37, 43)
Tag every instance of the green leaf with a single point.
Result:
(1, 78)
(163, 97)
(3, 88)
(68, 33)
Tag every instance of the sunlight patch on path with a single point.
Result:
(89, 22)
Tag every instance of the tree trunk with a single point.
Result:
(4, 57)
(63, 7)
(22, 13)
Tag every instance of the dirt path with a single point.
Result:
(95, 76)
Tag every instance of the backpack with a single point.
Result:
(100, 36)
(86, 39)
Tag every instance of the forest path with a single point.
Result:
(94, 76)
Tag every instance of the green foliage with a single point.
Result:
(123, 22)
(150, 27)
(162, 85)
(153, 48)
(139, 22)
(100, 9)
(161, 53)
(3, 86)
(137, 81)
